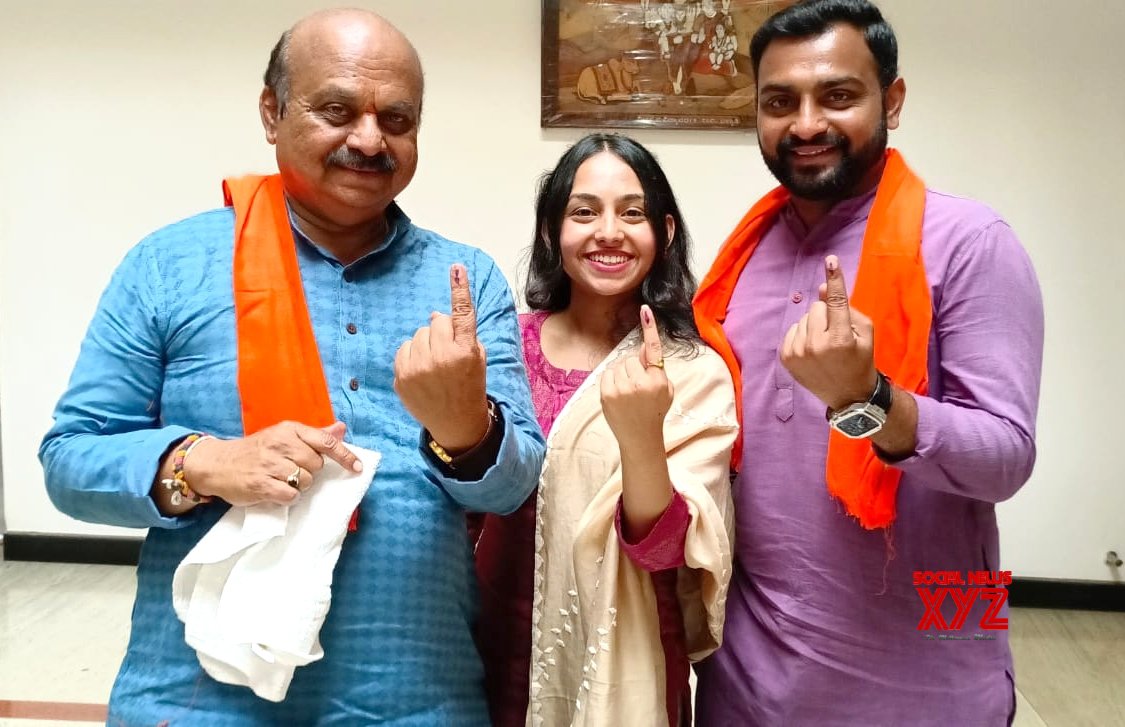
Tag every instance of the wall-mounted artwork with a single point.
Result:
(676, 64)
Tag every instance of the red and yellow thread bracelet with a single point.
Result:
(177, 483)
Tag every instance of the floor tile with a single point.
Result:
(63, 630)
(1070, 665)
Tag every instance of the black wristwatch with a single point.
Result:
(864, 418)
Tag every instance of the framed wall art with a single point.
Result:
(671, 64)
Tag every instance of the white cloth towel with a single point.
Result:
(254, 591)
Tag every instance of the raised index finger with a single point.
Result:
(462, 312)
(653, 350)
(836, 296)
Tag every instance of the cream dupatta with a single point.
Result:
(596, 657)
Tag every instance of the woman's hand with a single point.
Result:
(636, 395)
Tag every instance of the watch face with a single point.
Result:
(857, 424)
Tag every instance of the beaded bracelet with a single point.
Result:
(177, 484)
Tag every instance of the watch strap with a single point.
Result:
(468, 458)
(882, 397)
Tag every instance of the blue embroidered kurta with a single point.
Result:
(159, 361)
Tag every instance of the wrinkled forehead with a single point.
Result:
(356, 55)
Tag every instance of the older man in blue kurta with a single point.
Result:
(162, 362)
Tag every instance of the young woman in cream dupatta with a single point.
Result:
(598, 592)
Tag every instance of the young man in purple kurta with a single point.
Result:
(823, 616)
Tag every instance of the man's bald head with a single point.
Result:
(342, 104)
(325, 31)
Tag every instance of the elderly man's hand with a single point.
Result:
(440, 373)
(264, 466)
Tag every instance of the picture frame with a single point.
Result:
(650, 64)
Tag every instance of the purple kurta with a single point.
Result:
(823, 616)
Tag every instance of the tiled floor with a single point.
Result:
(1070, 666)
(63, 630)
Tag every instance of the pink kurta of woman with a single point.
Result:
(505, 567)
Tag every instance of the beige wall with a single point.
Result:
(118, 117)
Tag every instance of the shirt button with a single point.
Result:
(797, 297)
(354, 384)
(352, 329)
(349, 276)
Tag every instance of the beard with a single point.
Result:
(830, 184)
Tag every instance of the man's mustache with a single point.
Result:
(352, 159)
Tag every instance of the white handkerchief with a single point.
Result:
(254, 591)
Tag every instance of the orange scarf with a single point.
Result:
(890, 287)
(280, 376)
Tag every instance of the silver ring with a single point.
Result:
(294, 480)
